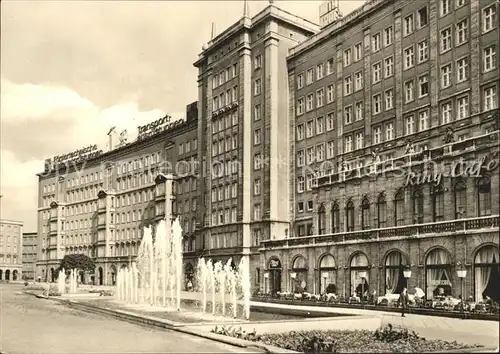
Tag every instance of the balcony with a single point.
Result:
(443, 228)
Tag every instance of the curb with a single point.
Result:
(152, 321)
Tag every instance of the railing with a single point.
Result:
(415, 230)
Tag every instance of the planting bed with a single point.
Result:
(384, 340)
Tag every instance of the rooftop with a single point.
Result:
(336, 26)
(245, 21)
(11, 222)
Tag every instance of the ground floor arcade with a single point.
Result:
(459, 265)
(10, 272)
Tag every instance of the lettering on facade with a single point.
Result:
(274, 264)
(461, 168)
(79, 155)
(438, 282)
(157, 127)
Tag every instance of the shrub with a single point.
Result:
(388, 334)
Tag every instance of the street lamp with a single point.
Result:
(362, 275)
(461, 273)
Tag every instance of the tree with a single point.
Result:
(77, 261)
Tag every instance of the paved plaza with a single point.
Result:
(32, 325)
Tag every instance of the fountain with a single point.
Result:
(156, 276)
(61, 282)
(73, 275)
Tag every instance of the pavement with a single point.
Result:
(431, 327)
(467, 331)
(32, 325)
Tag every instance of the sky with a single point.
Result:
(70, 70)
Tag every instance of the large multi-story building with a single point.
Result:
(29, 254)
(335, 168)
(98, 205)
(243, 110)
(11, 244)
(394, 161)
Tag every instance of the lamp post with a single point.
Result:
(266, 278)
(461, 273)
(362, 275)
(407, 275)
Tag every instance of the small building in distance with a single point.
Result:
(29, 255)
(11, 243)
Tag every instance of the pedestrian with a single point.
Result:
(403, 300)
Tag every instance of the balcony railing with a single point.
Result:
(416, 230)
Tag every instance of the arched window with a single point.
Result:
(359, 275)
(484, 197)
(394, 277)
(321, 220)
(399, 208)
(418, 206)
(299, 274)
(327, 273)
(486, 273)
(438, 203)
(365, 214)
(335, 218)
(381, 211)
(460, 192)
(438, 273)
(349, 216)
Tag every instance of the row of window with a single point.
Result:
(483, 190)
(187, 147)
(385, 38)
(386, 102)
(224, 99)
(225, 240)
(226, 192)
(80, 194)
(223, 145)
(450, 110)
(124, 167)
(222, 217)
(224, 76)
(9, 260)
(226, 122)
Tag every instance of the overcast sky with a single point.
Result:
(72, 69)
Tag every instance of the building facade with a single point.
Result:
(29, 254)
(100, 205)
(242, 130)
(11, 245)
(394, 161)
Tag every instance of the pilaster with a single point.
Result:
(398, 75)
(246, 156)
